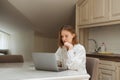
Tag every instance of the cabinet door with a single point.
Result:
(118, 72)
(107, 74)
(99, 11)
(84, 13)
(115, 9)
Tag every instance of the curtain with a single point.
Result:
(4, 40)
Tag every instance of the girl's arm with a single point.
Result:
(58, 57)
(76, 57)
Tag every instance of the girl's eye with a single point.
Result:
(66, 36)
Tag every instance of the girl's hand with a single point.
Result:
(59, 64)
(68, 45)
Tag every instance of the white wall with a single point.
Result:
(44, 44)
(22, 35)
(110, 35)
(19, 28)
(21, 41)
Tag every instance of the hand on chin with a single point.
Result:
(68, 45)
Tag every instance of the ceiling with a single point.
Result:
(47, 15)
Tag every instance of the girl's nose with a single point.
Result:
(64, 39)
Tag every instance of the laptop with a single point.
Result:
(46, 61)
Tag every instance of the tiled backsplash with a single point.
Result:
(110, 35)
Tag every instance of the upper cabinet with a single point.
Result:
(97, 12)
(84, 12)
(115, 9)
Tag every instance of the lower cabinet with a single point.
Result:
(107, 75)
(118, 71)
(109, 70)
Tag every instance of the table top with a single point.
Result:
(26, 71)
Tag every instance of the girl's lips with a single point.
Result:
(64, 41)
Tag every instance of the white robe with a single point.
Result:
(74, 59)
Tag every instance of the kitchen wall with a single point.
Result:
(21, 39)
(19, 28)
(22, 36)
(110, 35)
(44, 44)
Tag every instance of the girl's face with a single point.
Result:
(67, 36)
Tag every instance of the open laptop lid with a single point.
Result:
(45, 61)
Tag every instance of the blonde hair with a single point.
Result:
(71, 30)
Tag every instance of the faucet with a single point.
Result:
(97, 49)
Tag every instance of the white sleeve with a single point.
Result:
(58, 55)
(76, 57)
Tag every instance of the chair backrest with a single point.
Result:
(92, 67)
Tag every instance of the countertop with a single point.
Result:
(26, 71)
(109, 57)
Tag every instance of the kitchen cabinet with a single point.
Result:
(115, 9)
(84, 12)
(97, 13)
(118, 71)
(82, 18)
(107, 70)
(93, 11)
(106, 75)
(109, 66)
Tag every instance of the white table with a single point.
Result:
(26, 71)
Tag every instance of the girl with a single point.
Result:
(71, 54)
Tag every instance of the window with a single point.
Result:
(4, 40)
